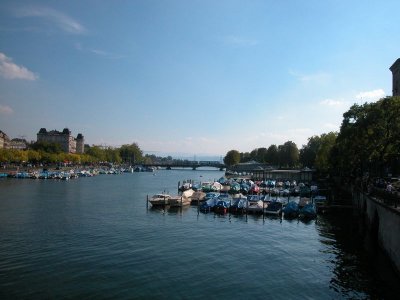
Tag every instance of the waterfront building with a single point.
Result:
(395, 68)
(68, 143)
(4, 140)
(18, 144)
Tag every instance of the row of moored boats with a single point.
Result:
(290, 205)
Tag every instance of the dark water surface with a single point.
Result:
(94, 238)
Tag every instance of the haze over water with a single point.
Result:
(94, 237)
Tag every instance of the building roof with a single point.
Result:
(396, 65)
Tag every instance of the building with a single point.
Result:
(18, 144)
(4, 140)
(68, 143)
(395, 68)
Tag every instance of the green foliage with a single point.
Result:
(369, 138)
(232, 158)
(50, 153)
(47, 147)
(97, 153)
(308, 152)
(326, 143)
(272, 157)
(288, 154)
(131, 153)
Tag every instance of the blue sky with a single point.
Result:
(194, 77)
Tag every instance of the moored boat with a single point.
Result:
(273, 208)
(160, 200)
(291, 210)
(320, 203)
(308, 211)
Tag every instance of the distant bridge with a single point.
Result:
(188, 164)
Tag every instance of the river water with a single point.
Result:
(94, 238)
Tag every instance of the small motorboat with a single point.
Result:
(291, 210)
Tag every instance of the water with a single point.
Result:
(94, 238)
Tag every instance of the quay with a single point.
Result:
(382, 218)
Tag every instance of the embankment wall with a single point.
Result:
(383, 222)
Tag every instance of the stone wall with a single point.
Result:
(383, 222)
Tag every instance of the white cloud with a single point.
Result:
(332, 127)
(371, 95)
(240, 41)
(317, 77)
(5, 110)
(61, 20)
(10, 70)
(98, 52)
(333, 102)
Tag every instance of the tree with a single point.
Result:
(245, 156)
(232, 158)
(326, 141)
(288, 154)
(261, 154)
(131, 153)
(47, 147)
(97, 153)
(271, 155)
(113, 155)
(369, 138)
(308, 152)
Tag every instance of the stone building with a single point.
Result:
(4, 140)
(68, 143)
(18, 144)
(395, 68)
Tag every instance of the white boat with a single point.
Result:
(178, 201)
(255, 207)
(160, 199)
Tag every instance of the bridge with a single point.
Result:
(188, 164)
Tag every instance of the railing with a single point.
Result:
(390, 198)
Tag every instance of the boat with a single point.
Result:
(320, 203)
(308, 211)
(178, 201)
(185, 186)
(273, 208)
(222, 206)
(208, 205)
(285, 192)
(303, 202)
(255, 204)
(254, 189)
(238, 204)
(291, 210)
(160, 199)
(197, 197)
(235, 188)
(206, 187)
(243, 188)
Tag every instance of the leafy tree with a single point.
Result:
(254, 154)
(232, 158)
(309, 152)
(326, 141)
(47, 147)
(245, 156)
(131, 153)
(369, 138)
(261, 154)
(97, 153)
(288, 154)
(113, 155)
(33, 156)
(271, 155)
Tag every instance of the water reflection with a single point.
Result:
(359, 269)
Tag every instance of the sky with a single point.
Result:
(192, 77)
